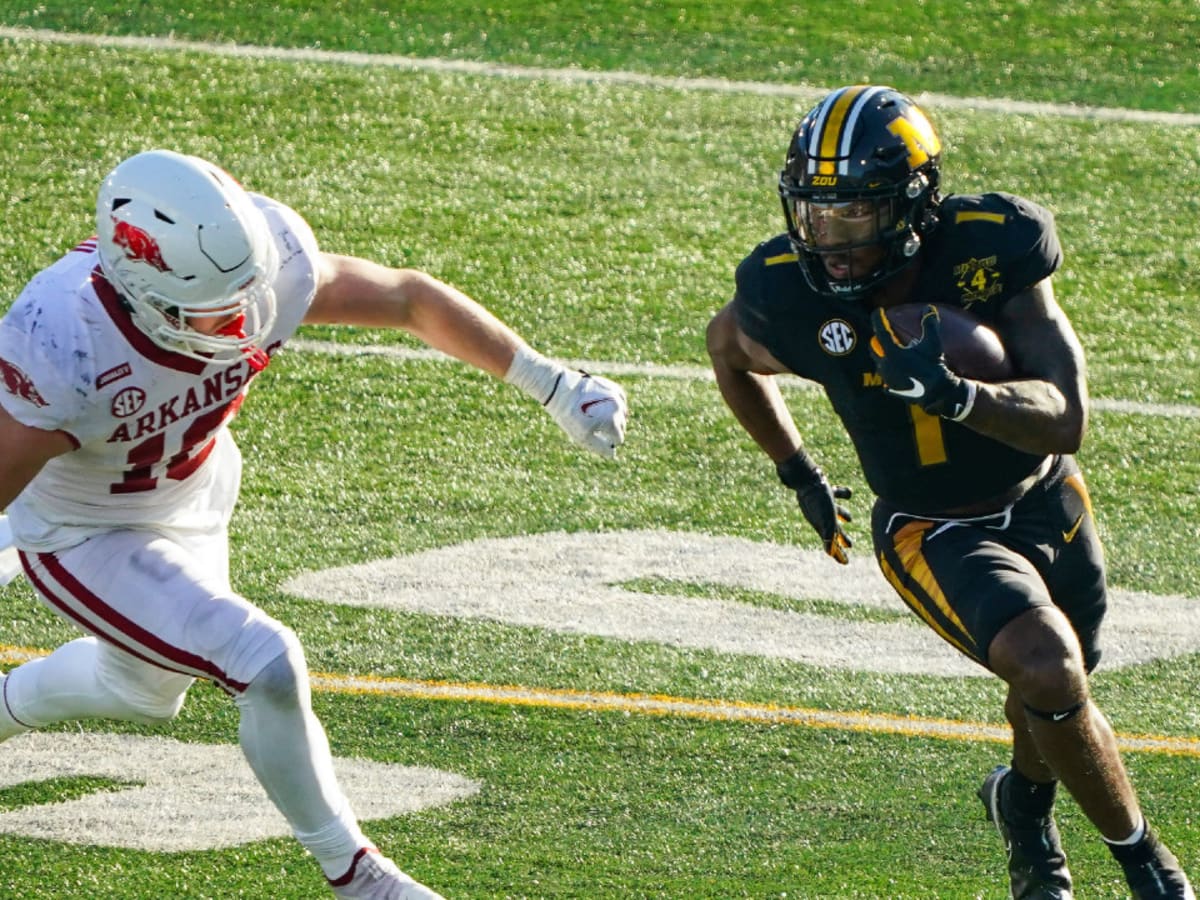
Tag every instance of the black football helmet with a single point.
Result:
(861, 171)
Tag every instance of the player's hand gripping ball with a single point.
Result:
(928, 355)
(971, 348)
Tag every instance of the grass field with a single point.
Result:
(603, 219)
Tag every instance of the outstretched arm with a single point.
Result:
(353, 291)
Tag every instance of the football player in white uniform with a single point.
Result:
(121, 366)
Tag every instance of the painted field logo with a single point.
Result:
(177, 797)
(571, 583)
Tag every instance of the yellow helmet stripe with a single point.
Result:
(834, 121)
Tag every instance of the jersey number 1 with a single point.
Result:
(197, 444)
(927, 429)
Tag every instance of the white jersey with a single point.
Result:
(153, 449)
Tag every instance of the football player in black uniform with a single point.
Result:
(982, 522)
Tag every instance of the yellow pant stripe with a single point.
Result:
(907, 545)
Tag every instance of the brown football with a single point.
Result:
(972, 349)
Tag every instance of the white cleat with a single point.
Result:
(375, 877)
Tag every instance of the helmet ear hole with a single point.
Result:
(888, 155)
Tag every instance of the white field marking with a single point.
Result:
(181, 796)
(651, 705)
(806, 92)
(691, 373)
(576, 584)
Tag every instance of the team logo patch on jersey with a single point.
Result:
(837, 337)
(127, 402)
(978, 280)
(17, 383)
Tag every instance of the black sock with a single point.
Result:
(1024, 802)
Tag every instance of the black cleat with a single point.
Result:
(1037, 866)
(1152, 871)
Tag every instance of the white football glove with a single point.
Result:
(589, 408)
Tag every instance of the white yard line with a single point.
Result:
(639, 79)
(693, 373)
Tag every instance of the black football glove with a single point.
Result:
(917, 371)
(818, 501)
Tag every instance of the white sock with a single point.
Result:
(64, 686)
(1138, 834)
(9, 726)
(334, 845)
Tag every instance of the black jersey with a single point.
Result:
(986, 249)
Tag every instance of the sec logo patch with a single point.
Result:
(837, 337)
(128, 402)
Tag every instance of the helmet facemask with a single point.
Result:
(210, 332)
(851, 242)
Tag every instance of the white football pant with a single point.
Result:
(161, 615)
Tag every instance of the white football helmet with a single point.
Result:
(181, 240)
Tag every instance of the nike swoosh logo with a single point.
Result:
(1069, 536)
(916, 392)
(1059, 716)
(587, 406)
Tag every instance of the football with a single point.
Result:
(972, 349)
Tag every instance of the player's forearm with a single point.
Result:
(757, 404)
(358, 292)
(23, 452)
(1033, 416)
(450, 321)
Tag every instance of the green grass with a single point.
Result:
(604, 222)
(1139, 54)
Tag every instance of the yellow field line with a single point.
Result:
(685, 707)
